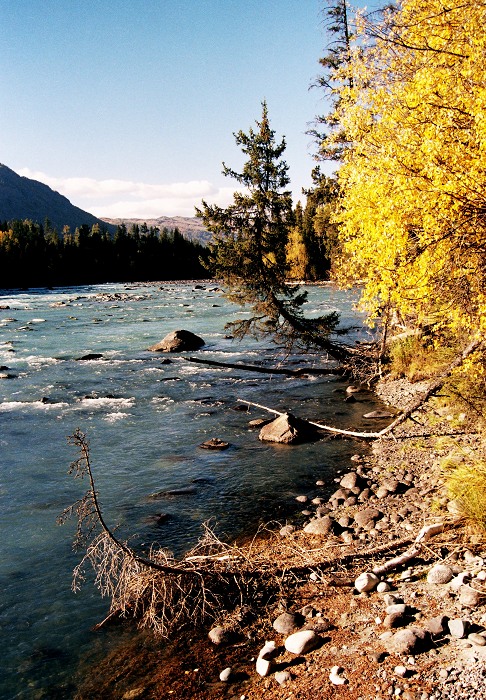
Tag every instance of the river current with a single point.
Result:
(145, 421)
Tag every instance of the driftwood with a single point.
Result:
(320, 426)
(301, 372)
(424, 535)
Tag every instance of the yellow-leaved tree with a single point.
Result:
(413, 176)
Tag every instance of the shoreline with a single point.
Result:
(399, 482)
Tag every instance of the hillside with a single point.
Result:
(190, 227)
(22, 198)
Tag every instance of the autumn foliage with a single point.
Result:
(413, 176)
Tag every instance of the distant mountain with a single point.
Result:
(190, 227)
(23, 198)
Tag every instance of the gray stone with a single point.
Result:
(458, 581)
(366, 581)
(437, 625)
(263, 666)
(396, 609)
(218, 635)
(269, 651)
(286, 623)
(368, 515)
(340, 495)
(302, 642)
(383, 586)
(349, 481)
(392, 485)
(283, 677)
(392, 599)
(353, 389)
(287, 530)
(408, 641)
(382, 492)
(285, 429)
(319, 526)
(477, 639)
(470, 597)
(440, 573)
(458, 627)
(178, 341)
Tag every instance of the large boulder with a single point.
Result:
(287, 429)
(178, 341)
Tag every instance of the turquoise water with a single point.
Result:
(145, 421)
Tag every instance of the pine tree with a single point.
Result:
(249, 248)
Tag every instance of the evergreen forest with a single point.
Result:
(35, 255)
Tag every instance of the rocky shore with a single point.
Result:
(350, 624)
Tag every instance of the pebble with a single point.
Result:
(218, 635)
(458, 627)
(477, 639)
(366, 581)
(268, 651)
(319, 526)
(469, 597)
(225, 675)
(440, 573)
(263, 666)
(302, 642)
(283, 677)
(336, 676)
(286, 623)
(459, 580)
(408, 641)
(383, 586)
(437, 625)
(287, 530)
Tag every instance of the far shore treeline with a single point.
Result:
(36, 255)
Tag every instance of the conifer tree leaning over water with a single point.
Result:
(248, 250)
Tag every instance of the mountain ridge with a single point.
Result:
(189, 226)
(23, 198)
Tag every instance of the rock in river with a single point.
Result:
(214, 444)
(286, 429)
(178, 341)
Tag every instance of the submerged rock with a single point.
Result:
(91, 356)
(214, 444)
(178, 341)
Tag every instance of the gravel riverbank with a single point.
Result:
(416, 631)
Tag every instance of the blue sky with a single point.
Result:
(128, 107)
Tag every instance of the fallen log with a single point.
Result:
(320, 426)
(301, 372)
(424, 535)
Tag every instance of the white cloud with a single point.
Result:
(127, 199)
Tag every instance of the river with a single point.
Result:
(145, 421)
